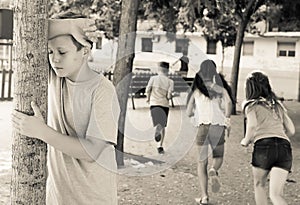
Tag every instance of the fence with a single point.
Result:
(6, 71)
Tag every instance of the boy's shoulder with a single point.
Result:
(104, 83)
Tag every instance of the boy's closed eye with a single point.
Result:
(60, 52)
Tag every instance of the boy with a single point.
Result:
(82, 121)
(159, 92)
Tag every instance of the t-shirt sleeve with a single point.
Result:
(105, 113)
(149, 85)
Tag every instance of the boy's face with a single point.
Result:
(64, 58)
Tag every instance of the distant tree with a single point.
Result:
(290, 16)
(123, 67)
(164, 12)
(242, 11)
(28, 182)
(280, 15)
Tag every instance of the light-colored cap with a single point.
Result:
(78, 28)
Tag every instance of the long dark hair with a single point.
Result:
(258, 86)
(208, 73)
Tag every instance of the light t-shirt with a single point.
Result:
(160, 88)
(85, 110)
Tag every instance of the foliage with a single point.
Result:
(106, 12)
(164, 12)
(290, 16)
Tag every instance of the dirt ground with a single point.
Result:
(179, 184)
(173, 180)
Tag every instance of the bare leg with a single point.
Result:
(158, 129)
(260, 179)
(278, 177)
(202, 170)
(218, 161)
(163, 132)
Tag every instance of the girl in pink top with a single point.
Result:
(268, 127)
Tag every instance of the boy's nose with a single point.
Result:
(55, 60)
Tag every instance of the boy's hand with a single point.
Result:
(31, 126)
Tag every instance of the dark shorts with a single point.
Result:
(272, 152)
(159, 115)
(213, 135)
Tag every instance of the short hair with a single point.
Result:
(164, 65)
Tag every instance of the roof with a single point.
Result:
(282, 34)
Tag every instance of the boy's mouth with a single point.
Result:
(58, 68)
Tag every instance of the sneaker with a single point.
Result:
(157, 137)
(160, 150)
(202, 201)
(214, 180)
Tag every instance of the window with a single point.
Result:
(99, 43)
(286, 49)
(147, 45)
(182, 46)
(211, 47)
(248, 48)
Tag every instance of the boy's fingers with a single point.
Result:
(18, 115)
(36, 109)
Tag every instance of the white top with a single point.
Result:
(209, 111)
(160, 89)
(84, 110)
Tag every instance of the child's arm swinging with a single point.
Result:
(250, 128)
(190, 106)
(288, 125)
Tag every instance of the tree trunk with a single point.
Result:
(123, 67)
(28, 183)
(236, 61)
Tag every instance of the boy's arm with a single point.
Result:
(35, 127)
(148, 89)
(250, 128)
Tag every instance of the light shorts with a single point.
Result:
(213, 135)
(272, 152)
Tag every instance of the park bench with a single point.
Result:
(139, 82)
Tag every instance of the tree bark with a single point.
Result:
(243, 19)
(123, 67)
(236, 61)
(28, 183)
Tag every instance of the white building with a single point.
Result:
(276, 53)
